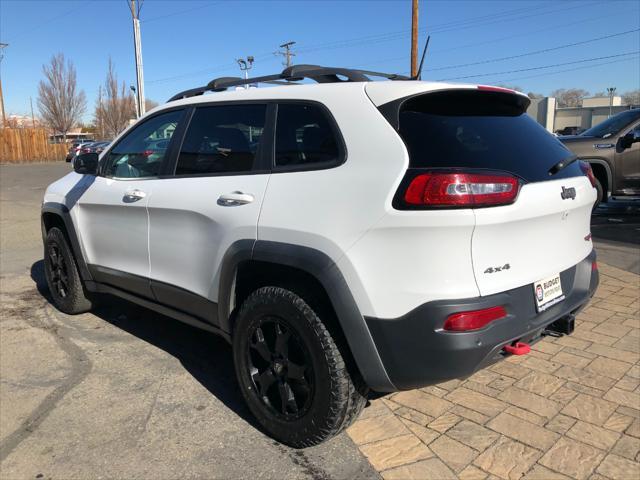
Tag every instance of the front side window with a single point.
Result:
(304, 136)
(222, 139)
(141, 152)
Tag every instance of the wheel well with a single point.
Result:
(50, 220)
(600, 172)
(252, 275)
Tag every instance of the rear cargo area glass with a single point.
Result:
(480, 130)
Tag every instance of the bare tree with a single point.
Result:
(535, 96)
(631, 98)
(115, 107)
(571, 97)
(510, 87)
(149, 104)
(60, 102)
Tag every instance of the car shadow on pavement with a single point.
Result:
(205, 356)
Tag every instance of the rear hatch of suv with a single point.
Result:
(478, 149)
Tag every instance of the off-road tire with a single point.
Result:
(336, 401)
(600, 191)
(72, 298)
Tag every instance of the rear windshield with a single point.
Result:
(480, 130)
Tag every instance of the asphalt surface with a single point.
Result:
(122, 392)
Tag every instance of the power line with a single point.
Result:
(535, 52)
(22, 33)
(475, 44)
(567, 70)
(441, 28)
(539, 67)
(180, 12)
(370, 39)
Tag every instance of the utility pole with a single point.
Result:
(245, 66)
(33, 118)
(287, 54)
(137, 43)
(414, 38)
(611, 91)
(4, 118)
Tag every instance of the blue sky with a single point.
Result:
(187, 43)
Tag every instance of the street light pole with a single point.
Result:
(137, 44)
(245, 66)
(611, 91)
(135, 98)
(4, 118)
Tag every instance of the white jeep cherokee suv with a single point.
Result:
(347, 237)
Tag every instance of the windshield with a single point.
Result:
(613, 125)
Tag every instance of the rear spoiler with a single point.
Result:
(480, 100)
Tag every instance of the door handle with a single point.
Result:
(235, 199)
(133, 196)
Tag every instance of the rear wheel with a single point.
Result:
(62, 275)
(290, 370)
(600, 191)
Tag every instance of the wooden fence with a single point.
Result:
(25, 145)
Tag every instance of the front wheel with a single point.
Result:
(290, 370)
(62, 275)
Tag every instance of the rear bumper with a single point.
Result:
(416, 352)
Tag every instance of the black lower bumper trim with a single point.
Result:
(416, 352)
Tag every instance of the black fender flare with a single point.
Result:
(62, 212)
(322, 268)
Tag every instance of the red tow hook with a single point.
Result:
(519, 348)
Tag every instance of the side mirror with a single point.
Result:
(630, 138)
(86, 164)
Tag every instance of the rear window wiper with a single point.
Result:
(565, 162)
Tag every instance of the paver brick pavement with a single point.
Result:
(569, 410)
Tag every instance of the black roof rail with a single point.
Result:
(290, 74)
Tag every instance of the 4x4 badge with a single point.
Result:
(568, 193)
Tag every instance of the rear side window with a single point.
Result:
(305, 137)
(479, 130)
(222, 139)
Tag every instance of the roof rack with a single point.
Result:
(294, 73)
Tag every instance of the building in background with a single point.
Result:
(593, 111)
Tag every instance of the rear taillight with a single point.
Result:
(86, 150)
(594, 266)
(473, 320)
(588, 171)
(461, 190)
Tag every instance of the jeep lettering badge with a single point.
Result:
(568, 193)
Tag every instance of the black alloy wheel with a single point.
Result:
(58, 271)
(280, 368)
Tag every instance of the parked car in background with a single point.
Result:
(612, 148)
(570, 130)
(76, 147)
(96, 147)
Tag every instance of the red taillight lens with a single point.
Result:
(461, 189)
(86, 150)
(594, 266)
(473, 320)
(588, 171)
